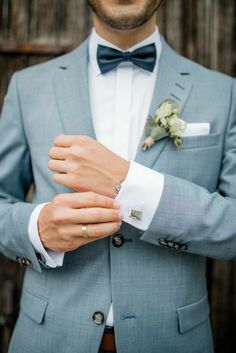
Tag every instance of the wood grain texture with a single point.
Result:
(202, 30)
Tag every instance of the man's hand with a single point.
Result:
(83, 164)
(60, 222)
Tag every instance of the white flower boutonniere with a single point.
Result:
(165, 122)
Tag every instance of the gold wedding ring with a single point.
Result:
(84, 232)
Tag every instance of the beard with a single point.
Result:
(125, 15)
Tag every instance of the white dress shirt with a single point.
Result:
(120, 100)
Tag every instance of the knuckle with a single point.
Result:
(58, 200)
(56, 218)
(73, 152)
(57, 138)
(73, 167)
(81, 139)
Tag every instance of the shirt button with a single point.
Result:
(118, 240)
(98, 318)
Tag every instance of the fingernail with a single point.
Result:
(116, 204)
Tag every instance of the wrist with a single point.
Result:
(120, 177)
(42, 223)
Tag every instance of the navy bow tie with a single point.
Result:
(109, 58)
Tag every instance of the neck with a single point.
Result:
(124, 39)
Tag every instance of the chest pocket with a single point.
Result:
(200, 141)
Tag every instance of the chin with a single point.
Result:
(124, 15)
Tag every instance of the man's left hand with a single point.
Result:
(83, 164)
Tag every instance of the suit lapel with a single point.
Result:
(72, 93)
(169, 84)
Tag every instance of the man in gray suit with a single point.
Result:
(116, 237)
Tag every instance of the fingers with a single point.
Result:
(60, 225)
(63, 179)
(57, 166)
(69, 140)
(65, 140)
(93, 230)
(72, 242)
(85, 200)
(91, 215)
(58, 153)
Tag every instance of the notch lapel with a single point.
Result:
(169, 84)
(72, 93)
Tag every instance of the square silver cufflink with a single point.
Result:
(135, 214)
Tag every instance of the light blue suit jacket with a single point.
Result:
(156, 279)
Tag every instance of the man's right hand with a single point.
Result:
(60, 222)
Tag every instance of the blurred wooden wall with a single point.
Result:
(32, 31)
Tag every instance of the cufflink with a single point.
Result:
(135, 214)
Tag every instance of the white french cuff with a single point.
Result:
(52, 258)
(140, 195)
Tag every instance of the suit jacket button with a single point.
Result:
(23, 261)
(98, 318)
(28, 263)
(171, 244)
(118, 240)
(163, 242)
(19, 260)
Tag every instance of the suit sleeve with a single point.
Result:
(191, 219)
(15, 179)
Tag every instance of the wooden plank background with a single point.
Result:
(32, 31)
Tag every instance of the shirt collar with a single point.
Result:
(95, 39)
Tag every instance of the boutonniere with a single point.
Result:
(165, 122)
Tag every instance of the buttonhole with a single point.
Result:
(178, 85)
(174, 96)
(124, 317)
